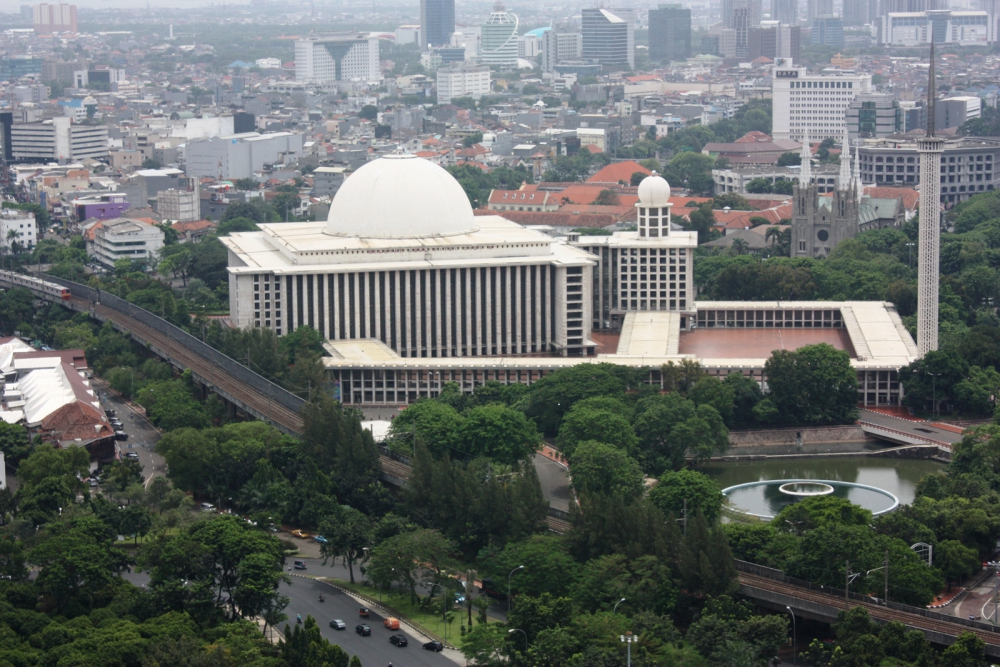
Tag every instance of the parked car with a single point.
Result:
(320, 539)
(363, 629)
(489, 587)
(299, 565)
(121, 435)
(299, 534)
(391, 623)
(338, 624)
(207, 507)
(363, 612)
(93, 482)
(434, 646)
(398, 640)
(132, 455)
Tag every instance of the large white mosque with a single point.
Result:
(411, 290)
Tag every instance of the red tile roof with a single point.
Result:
(618, 171)
(521, 197)
(192, 226)
(911, 198)
(741, 219)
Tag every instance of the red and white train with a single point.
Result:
(11, 279)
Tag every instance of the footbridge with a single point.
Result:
(899, 431)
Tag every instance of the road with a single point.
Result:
(554, 481)
(918, 429)
(374, 650)
(142, 436)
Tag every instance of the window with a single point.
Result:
(823, 235)
(802, 245)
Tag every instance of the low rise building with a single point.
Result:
(100, 207)
(17, 227)
(240, 155)
(58, 140)
(122, 238)
(462, 80)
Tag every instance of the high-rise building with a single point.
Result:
(48, 18)
(669, 33)
(972, 28)
(340, 57)
(609, 36)
(58, 140)
(773, 40)
(860, 12)
(785, 11)
(930, 149)
(462, 80)
(817, 8)
(874, 115)
(500, 38)
(558, 47)
(743, 16)
(437, 22)
(828, 31)
(817, 102)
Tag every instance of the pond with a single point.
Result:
(897, 476)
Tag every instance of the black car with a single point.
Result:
(363, 629)
(434, 646)
(398, 640)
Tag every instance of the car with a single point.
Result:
(321, 540)
(300, 534)
(459, 598)
(363, 612)
(363, 629)
(132, 456)
(299, 565)
(93, 482)
(398, 640)
(207, 507)
(121, 435)
(434, 646)
(391, 623)
(338, 624)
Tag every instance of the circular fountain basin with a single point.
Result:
(764, 499)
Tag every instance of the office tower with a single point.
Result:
(669, 33)
(341, 57)
(54, 18)
(745, 17)
(500, 38)
(874, 115)
(814, 102)
(609, 36)
(560, 46)
(437, 22)
(785, 11)
(860, 12)
(930, 149)
(773, 40)
(828, 31)
(816, 8)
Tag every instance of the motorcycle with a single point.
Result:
(322, 599)
(298, 619)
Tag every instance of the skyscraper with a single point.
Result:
(500, 38)
(437, 22)
(860, 12)
(745, 17)
(609, 36)
(785, 11)
(930, 149)
(815, 8)
(669, 33)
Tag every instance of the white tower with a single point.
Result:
(844, 183)
(858, 186)
(930, 149)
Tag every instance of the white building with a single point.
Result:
(529, 46)
(817, 102)
(961, 28)
(122, 238)
(462, 80)
(17, 227)
(268, 63)
(179, 205)
(341, 57)
(499, 45)
(402, 265)
(592, 136)
(58, 140)
(240, 155)
(558, 47)
(407, 34)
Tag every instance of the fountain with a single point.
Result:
(766, 498)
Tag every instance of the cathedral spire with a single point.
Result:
(805, 172)
(844, 183)
(858, 186)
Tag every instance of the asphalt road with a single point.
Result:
(916, 428)
(142, 436)
(554, 481)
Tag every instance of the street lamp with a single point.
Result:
(934, 411)
(615, 610)
(519, 567)
(628, 638)
(910, 246)
(795, 647)
(513, 630)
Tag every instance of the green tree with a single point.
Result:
(733, 201)
(607, 198)
(368, 112)
(584, 422)
(955, 560)
(691, 170)
(759, 186)
(498, 432)
(812, 385)
(702, 221)
(349, 534)
(789, 160)
(548, 568)
(549, 399)
(14, 443)
(677, 490)
(431, 423)
(407, 557)
(303, 645)
(602, 468)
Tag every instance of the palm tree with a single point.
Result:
(772, 235)
(740, 247)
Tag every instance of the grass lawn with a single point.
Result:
(428, 621)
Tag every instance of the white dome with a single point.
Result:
(400, 196)
(654, 191)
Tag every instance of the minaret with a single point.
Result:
(930, 149)
(845, 163)
(805, 173)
